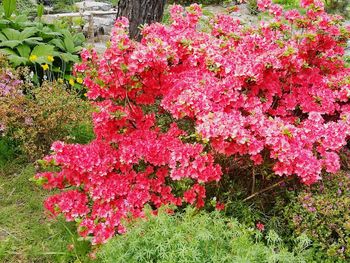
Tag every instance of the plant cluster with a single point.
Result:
(197, 237)
(172, 107)
(322, 213)
(48, 50)
(35, 117)
(338, 6)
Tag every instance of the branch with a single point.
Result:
(267, 188)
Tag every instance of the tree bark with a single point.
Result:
(140, 12)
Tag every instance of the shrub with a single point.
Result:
(179, 108)
(338, 6)
(194, 237)
(36, 117)
(322, 213)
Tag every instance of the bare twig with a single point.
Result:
(267, 188)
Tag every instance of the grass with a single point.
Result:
(26, 234)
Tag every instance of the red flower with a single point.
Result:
(260, 226)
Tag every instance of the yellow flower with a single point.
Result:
(79, 80)
(33, 58)
(50, 58)
(45, 66)
(71, 82)
(60, 80)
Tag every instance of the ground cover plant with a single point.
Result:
(195, 236)
(178, 110)
(321, 212)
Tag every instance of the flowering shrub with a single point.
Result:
(33, 118)
(276, 93)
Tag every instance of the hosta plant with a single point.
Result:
(173, 107)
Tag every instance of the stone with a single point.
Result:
(93, 6)
(102, 25)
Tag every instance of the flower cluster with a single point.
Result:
(277, 93)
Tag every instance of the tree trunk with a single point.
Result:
(140, 12)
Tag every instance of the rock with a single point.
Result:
(102, 25)
(93, 6)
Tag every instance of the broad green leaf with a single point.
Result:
(43, 50)
(10, 43)
(9, 7)
(69, 44)
(79, 39)
(28, 32)
(58, 43)
(24, 50)
(67, 57)
(17, 60)
(4, 23)
(11, 34)
(66, 33)
(7, 51)
(2, 37)
(77, 49)
(47, 33)
(33, 41)
(21, 19)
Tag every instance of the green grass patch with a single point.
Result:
(26, 234)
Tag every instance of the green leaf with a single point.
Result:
(24, 51)
(33, 41)
(47, 33)
(17, 60)
(2, 37)
(77, 49)
(40, 10)
(7, 51)
(69, 44)
(58, 43)
(21, 19)
(4, 23)
(10, 43)
(67, 57)
(79, 39)
(28, 32)
(9, 7)
(11, 34)
(43, 50)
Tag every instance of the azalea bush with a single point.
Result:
(179, 109)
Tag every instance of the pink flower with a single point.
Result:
(264, 5)
(260, 226)
(219, 206)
